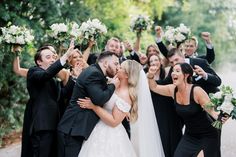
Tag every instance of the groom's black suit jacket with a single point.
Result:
(93, 84)
(44, 94)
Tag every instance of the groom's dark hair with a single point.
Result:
(106, 54)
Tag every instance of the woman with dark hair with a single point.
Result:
(190, 101)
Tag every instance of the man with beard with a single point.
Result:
(77, 124)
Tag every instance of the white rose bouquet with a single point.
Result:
(176, 36)
(140, 23)
(225, 102)
(91, 30)
(16, 35)
(62, 32)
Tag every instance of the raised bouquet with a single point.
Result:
(16, 35)
(140, 23)
(224, 102)
(61, 32)
(91, 30)
(178, 35)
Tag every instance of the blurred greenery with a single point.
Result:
(216, 17)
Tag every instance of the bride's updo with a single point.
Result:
(132, 69)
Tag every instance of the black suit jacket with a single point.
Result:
(134, 56)
(210, 54)
(93, 84)
(213, 81)
(44, 95)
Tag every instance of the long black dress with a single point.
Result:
(169, 123)
(199, 133)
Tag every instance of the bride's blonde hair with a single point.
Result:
(132, 68)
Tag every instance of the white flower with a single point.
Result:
(16, 35)
(140, 22)
(227, 107)
(183, 29)
(20, 40)
(176, 35)
(228, 98)
(91, 29)
(218, 95)
(179, 37)
(58, 28)
(62, 27)
(74, 30)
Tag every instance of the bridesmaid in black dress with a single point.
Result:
(169, 123)
(190, 101)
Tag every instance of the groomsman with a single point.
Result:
(77, 123)
(190, 46)
(116, 46)
(205, 76)
(43, 102)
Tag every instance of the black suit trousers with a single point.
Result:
(68, 146)
(44, 144)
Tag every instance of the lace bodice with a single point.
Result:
(119, 102)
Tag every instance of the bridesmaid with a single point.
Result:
(168, 121)
(190, 101)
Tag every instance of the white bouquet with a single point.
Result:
(16, 35)
(63, 32)
(91, 30)
(176, 36)
(225, 102)
(140, 23)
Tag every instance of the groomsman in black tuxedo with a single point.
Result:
(116, 46)
(190, 46)
(43, 102)
(77, 124)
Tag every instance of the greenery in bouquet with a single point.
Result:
(223, 101)
(176, 36)
(140, 23)
(91, 30)
(16, 35)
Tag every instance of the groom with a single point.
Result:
(77, 124)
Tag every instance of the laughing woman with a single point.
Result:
(189, 101)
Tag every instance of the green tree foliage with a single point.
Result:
(216, 17)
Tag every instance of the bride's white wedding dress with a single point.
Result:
(107, 141)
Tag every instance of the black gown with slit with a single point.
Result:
(169, 123)
(199, 133)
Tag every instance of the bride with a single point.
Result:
(131, 99)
